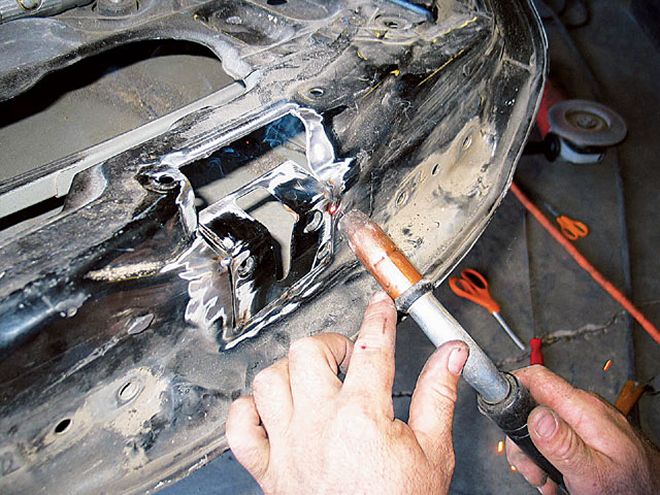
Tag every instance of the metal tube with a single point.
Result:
(501, 397)
(508, 330)
(396, 274)
(440, 327)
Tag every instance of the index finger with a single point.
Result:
(371, 371)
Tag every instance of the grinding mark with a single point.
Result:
(199, 464)
(140, 324)
(373, 88)
(432, 74)
(458, 27)
(126, 272)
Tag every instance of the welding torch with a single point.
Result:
(501, 396)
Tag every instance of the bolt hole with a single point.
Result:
(435, 169)
(62, 426)
(128, 391)
(314, 222)
(164, 179)
(29, 4)
(391, 24)
(467, 142)
(316, 92)
(401, 198)
(276, 2)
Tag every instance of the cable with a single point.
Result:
(615, 293)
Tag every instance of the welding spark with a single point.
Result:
(513, 468)
(607, 365)
(500, 446)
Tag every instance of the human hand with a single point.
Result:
(304, 431)
(586, 439)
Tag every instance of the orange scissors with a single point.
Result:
(473, 286)
(570, 228)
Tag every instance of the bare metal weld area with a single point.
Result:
(189, 253)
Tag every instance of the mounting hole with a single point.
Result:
(276, 2)
(62, 426)
(401, 198)
(314, 221)
(164, 179)
(435, 169)
(246, 267)
(316, 92)
(29, 4)
(393, 23)
(128, 391)
(467, 142)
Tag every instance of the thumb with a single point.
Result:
(559, 443)
(432, 403)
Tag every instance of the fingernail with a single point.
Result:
(379, 297)
(456, 361)
(545, 423)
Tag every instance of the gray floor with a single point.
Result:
(541, 289)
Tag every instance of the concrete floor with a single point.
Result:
(542, 291)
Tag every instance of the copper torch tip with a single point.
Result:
(378, 253)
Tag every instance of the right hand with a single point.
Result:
(586, 439)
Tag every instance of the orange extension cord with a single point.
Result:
(616, 294)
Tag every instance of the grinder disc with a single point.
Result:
(587, 123)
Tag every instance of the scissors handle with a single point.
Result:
(572, 229)
(473, 286)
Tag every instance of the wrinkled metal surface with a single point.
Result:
(130, 320)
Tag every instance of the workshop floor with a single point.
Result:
(542, 291)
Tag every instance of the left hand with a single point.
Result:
(304, 431)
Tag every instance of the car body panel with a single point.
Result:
(132, 318)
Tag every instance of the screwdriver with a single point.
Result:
(501, 397)
(473, 286)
